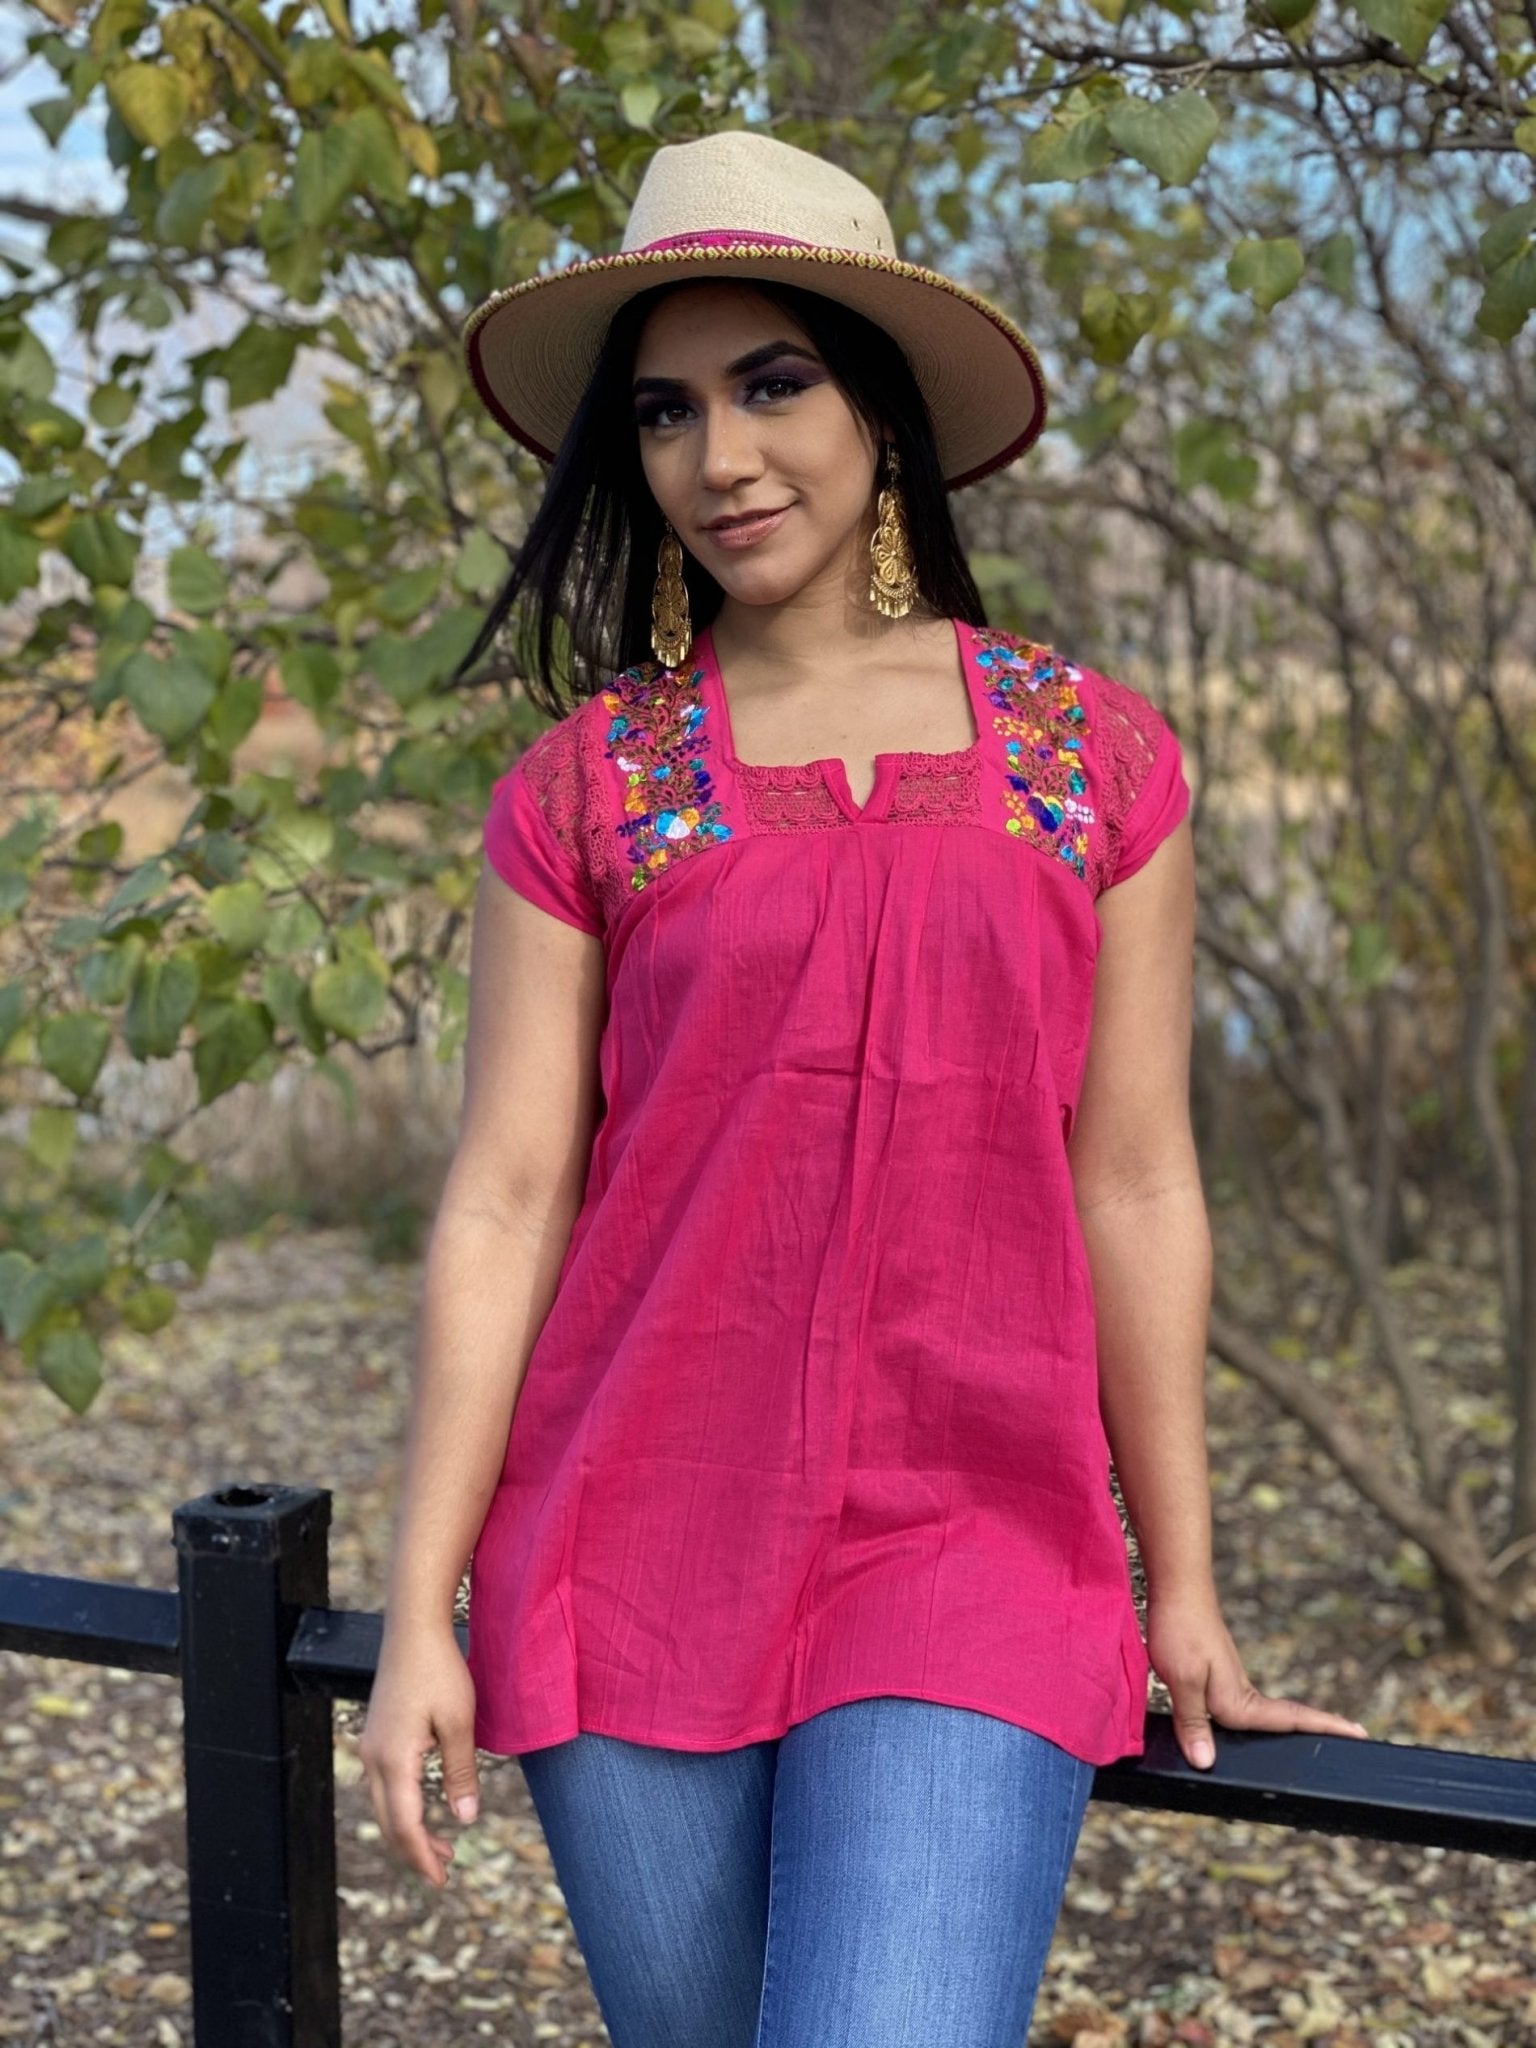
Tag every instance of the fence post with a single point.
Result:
(261, 1811)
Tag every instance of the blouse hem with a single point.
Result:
(498, 1744)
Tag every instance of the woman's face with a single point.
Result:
(737, 414)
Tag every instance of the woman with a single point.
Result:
(800, 1249)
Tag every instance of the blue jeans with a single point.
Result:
(887, 1874)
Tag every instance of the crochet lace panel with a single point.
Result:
(1127, 732)
(575, 802)
(788, 799)
(930, 789)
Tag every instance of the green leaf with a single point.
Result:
(1408, 23)
(1098, 422)
(69, 1361)
(297, 927)
(404, 598)
(399, 666)
(381, 167)
(256, 363)
(288, 999)
(25, 839)
(37, 496)
(327, 166)
(80, 1268)
(106, 975)
(482, 564)
(1372, 961)
(178, 1232)
(235, 712)
(72, 1049)
(148, 1309)
(1282, 14)
(1170, 136)
(195, 581)
(1524, 135)
(183, 213)
(1059, 152)
(1113, 322)
(143, 885)
(53, 116)
(1333, 262)
(21, 557)
(1507, 235)
(442, 385)
(26, 368)
(164, 996)
(27, 1292)
(236, 1034)
(1509, 298)
(111, 406)
(311, 675)
(152, 100)
(238, 913)
(170, 696)
(100, 549)
(290, 846)
(349, 996)
(13, 1007)
(51, 1137)
(1207, 452)
(640, 103)
(1266, 270)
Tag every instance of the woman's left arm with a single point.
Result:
(1136, 1181)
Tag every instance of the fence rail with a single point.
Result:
(261, 1653)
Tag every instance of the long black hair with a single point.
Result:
(587, 566)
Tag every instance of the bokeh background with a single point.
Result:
(1278, 260)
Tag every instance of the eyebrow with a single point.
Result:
(754, 359)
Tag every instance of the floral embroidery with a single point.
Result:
(669, 805)
(1043, 725)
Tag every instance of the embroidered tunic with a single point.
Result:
(814, 1411)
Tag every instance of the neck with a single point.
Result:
(822, 624)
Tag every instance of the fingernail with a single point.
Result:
(1203, 1752)
(464, 1808)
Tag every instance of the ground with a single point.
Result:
(292, 1364)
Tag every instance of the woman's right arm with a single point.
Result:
(531, 1100)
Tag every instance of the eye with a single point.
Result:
(780, 384)
(655, 413)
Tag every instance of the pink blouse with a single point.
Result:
(814, 1412)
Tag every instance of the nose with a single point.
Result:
(728, 452)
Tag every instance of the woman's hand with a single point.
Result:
(1192, 1652)
(422, 1698)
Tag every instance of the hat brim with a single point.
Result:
(532, 347)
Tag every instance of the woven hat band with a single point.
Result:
(721, 238)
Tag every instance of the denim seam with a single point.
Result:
(769, 1957)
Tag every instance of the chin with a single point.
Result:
(764, 583)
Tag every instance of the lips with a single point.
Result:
(743, 532)
(734, 519)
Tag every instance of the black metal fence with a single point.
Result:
(261, 1654)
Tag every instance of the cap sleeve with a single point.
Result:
(1160, 802)
(1141, 793)
(532, 829)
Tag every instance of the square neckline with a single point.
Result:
(832, 768)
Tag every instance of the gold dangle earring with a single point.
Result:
(893, 572)
(671, 624)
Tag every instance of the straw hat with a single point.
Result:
(742, 204)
